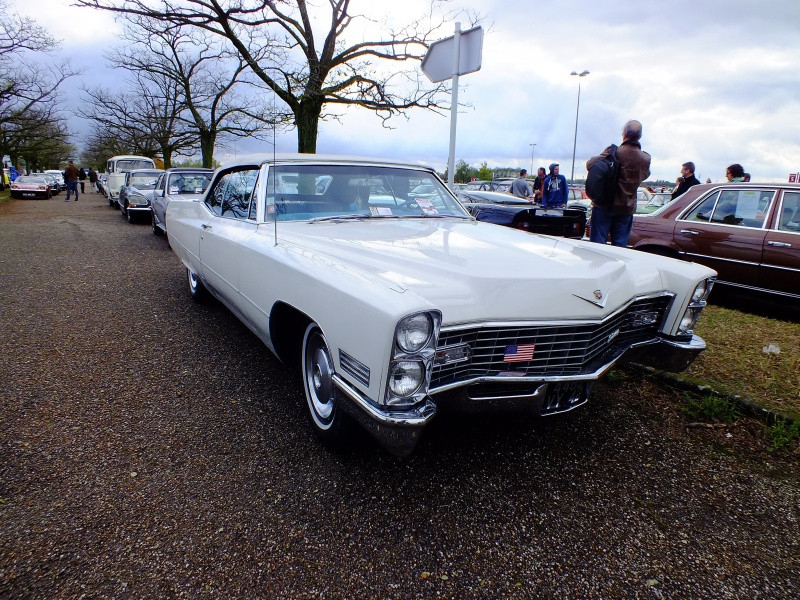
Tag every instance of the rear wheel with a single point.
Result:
(196, 287)
(330, 423)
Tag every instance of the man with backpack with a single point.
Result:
(614, 215)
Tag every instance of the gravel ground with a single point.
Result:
(151, 447)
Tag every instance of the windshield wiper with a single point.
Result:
(350, 217)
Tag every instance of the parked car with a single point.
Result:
(101, 184)
(59, 175)
(393, 306)
(749, 233)
(655, 202)
(136, 192)
(51, 179)
(487, 186)
(28, 186)
(116, 167)
(178, 183)
(504, 209)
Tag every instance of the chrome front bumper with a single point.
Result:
(399, 432)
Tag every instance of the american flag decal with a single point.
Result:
(519, 353)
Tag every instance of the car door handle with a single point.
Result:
(689, 232)
(779, 244)
(204, 226)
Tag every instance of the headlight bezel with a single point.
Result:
(415, 354)
(697, 302)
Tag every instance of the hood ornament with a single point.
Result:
(598, 298)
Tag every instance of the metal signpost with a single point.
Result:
(450, 57)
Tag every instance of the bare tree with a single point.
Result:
(29, 91)
(145, 115)
(218, 101)
(304, 74)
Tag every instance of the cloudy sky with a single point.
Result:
(713, 81)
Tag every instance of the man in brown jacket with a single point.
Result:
(634, 168)
(71, 177)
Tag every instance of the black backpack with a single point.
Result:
(601, 183)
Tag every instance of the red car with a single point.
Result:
(26, 186)
(748, 232)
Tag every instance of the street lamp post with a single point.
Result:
(577, 111)
(533, 147)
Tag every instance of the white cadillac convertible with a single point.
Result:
(395, 303)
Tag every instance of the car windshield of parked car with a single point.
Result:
(28, 180)
(188, 183)
(306, 192)
(144, 181)
(133, 164)
(747, 208)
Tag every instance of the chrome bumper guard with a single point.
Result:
(667, 354)
(397, 431)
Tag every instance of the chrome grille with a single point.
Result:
(560, 350)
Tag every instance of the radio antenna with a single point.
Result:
(273, 168)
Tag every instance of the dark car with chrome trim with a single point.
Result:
(748, 232)
(135, 193)
(508, 210)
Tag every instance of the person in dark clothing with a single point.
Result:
(538, 184)
(93, 178)
(686, 180)
(71, 177)
(634, 167)
(555, 189)
(82, 178)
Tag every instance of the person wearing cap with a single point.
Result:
(555, 190)
(519, 187)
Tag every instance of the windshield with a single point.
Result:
(133, 164)
(145, 181)
(305, 192)
(188, 183)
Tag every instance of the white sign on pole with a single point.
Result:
(438, 62)
(451, 57)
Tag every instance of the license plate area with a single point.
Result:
(562, 396)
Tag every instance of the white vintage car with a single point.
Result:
(395, 304)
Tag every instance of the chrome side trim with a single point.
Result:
(354, 367)
(720, 259)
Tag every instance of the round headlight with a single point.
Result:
(689, 320)
(699, 292)
(414, 332)
(406, 378)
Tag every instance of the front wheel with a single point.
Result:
(156, 228)
(196, 287)
(330, 423)
(129, 215)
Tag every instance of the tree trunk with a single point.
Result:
(167, 158)
(207, 141)
(307, 118)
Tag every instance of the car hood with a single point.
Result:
(458, 266)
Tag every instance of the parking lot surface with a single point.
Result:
(152, 447)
